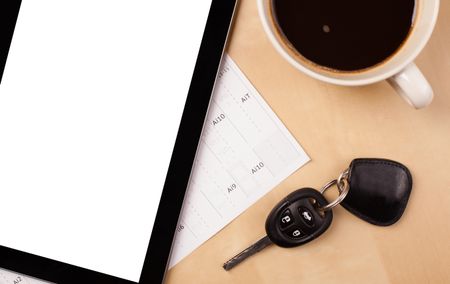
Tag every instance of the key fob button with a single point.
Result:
(294, 230)
(306, 216)
(286, 219)
(295, 233)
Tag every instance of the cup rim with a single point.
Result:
(345, 81)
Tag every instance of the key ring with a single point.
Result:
(343, 187)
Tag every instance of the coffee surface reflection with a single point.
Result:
(344, 35)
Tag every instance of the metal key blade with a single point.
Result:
(251, 250)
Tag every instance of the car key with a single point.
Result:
(379, 192)
(294, 221)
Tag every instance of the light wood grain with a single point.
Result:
(334, 125)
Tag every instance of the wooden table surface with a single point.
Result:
(336, 124)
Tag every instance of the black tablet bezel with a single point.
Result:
(158, 252)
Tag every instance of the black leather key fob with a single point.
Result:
(379, 190)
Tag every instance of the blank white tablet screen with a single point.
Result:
(90, 105)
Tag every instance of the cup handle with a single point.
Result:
(412, 86)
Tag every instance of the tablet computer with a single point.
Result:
(102, 103)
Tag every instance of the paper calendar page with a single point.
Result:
(9, 277)
(244, 152)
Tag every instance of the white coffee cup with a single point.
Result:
(399, 69)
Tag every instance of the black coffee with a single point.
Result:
(345, 35)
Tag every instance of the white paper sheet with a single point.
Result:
(9, 277)
(245, 152)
